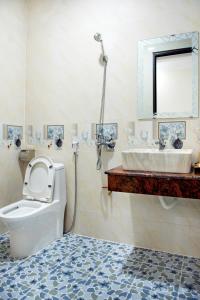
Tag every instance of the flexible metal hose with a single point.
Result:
(101, 119)
(75, 192)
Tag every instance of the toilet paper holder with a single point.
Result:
(26, 155)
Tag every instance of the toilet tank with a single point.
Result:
(59, 192)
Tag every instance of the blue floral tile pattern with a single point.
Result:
(158, 281)
(190, 286)
(191, 264)
(81, 268)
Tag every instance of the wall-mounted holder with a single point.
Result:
(26, 155)
(55, 134)
(13, 134)
(106, 135)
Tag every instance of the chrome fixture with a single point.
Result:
(75, 149)
(161, 143)
(98, 38)
(104, 61)
(106, 135)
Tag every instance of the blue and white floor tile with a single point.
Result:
(82, 268)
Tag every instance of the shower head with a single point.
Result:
(103, 58)
(98, 37)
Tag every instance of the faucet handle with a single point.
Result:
(161, 142)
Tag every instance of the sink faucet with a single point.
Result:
(161, 143)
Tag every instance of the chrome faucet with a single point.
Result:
(161, 143)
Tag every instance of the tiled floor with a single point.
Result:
(77, 267)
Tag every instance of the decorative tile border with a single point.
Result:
(55, 131)
(167, 130)
(107, 130)
(12, 132)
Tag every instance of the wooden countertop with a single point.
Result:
(154, 183)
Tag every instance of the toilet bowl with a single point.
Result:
(37, 219)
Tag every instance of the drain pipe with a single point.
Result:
(75, 147)
(168, 202)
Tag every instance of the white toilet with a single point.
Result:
(38, 219)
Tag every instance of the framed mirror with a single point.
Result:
(168, 77)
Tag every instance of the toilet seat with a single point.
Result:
(21, 209)
(39, 180)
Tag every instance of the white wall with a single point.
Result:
(13, 39)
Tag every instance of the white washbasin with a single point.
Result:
(168, 160)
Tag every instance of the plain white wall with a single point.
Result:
(13, 41)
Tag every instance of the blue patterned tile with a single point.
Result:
(104, 287)
(191, 264)
(6, 262)
(80, 268)
(139, 294)
(162, 259)
(121, 252)
(157, 281)
(126, 269)
(190, 286)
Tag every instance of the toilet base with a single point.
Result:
(22, 246)
(33, 234)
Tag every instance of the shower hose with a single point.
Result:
(75, 192)
(101, 120)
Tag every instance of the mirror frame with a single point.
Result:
(146, 107)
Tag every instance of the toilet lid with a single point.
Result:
(39, 179)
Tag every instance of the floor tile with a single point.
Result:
(191, 264)
(157, 281)
(163, 259)
(121, 267)
(106, 287)
(190, 286)
(80, 268)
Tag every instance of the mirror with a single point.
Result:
(168, 77)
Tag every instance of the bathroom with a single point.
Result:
(52, 74)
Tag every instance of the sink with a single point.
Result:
(168, 160)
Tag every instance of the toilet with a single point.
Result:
(37, 219)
